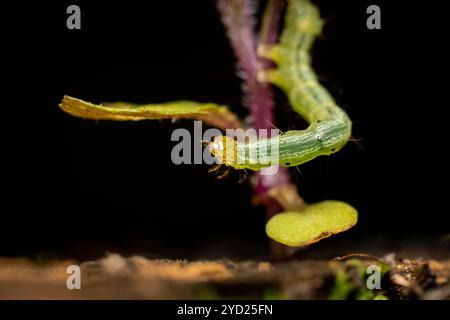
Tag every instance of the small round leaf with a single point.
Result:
(316, 222)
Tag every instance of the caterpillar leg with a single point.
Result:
(214, 168)
(263, 76)
(271, 52)
(270, 76)
(242, 176)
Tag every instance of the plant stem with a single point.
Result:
(238, 18)
(268, 36)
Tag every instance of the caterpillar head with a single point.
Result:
(224, 149)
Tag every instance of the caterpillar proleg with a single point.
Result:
(329, 126)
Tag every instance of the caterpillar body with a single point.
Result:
(329, 126)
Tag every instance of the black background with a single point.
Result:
(75, 188)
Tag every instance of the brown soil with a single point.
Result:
(116, 277)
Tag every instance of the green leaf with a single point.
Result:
(215, 115)
(316, 222)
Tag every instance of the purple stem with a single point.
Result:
(238, 18)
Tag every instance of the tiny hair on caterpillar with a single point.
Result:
(329, 126)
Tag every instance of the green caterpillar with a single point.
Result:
(330, 127)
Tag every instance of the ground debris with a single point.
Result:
(136, 277)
